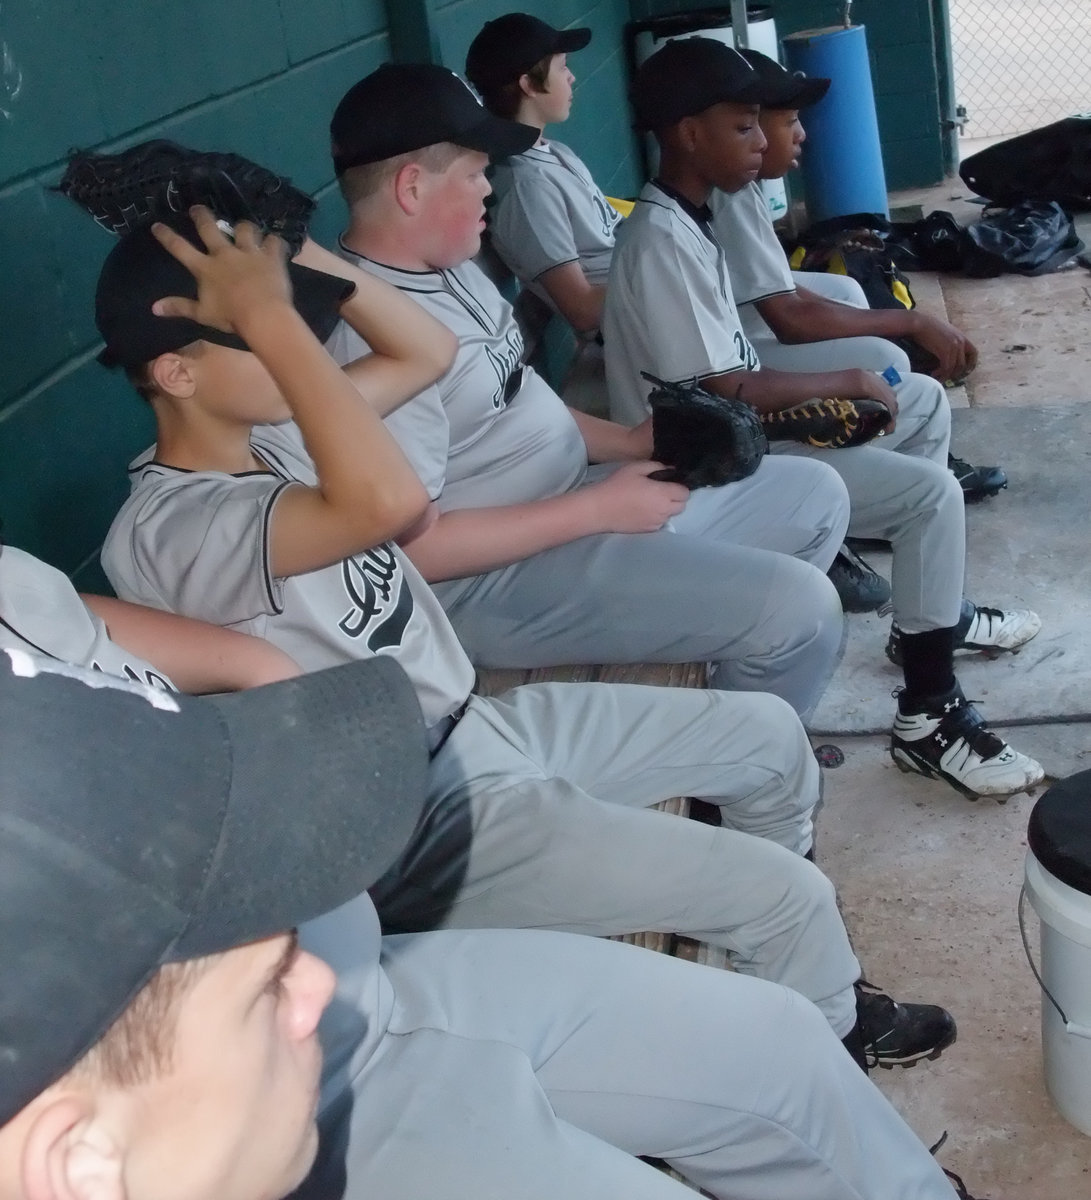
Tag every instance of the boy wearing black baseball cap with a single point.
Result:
(550, 223)
(670, 310)
(790, 317)
(157, 1019)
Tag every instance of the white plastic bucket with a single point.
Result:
(1065, 978)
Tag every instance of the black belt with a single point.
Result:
(443, 728)
(512, 385)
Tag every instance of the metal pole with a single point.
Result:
(738, 23)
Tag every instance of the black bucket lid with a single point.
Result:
(1059, 831)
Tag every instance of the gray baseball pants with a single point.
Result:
(538, 818)
(535, 1066)
(835, 354)
(737, 581)
(908, 497)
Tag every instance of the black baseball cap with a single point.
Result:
(509, 46)
(407, 106)
(782, 88)
(687, 75)
(138, 271)
(139, 828)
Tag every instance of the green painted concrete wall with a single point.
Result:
(256, 77)
(261, 77)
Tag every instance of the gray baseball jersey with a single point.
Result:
(549, 211)
(40, 611)
(197, 542)
(755, 260)
(492, 431)
(669, 306)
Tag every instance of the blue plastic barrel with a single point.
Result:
(842, 160)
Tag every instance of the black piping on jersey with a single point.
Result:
(767, 296)
(690, 226)
(700, 215)
(451, 287)
(29, 641)
(553, 266)
(131, 674)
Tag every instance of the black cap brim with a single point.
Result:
(794, 92)
(329, 776)
(572, 40)
(497, 137)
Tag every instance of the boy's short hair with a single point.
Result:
(139, 1045)
(504, 99)
(167, 830)
(359, 183)
(510, 47)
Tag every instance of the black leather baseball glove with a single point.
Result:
(828, 424)
(155, 179)
(703, 440)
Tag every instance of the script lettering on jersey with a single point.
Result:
(381, 600)
(149, 677)
(505, 360)
(608, 215)
(748, 356)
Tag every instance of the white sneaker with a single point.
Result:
(995, 629)
(952, 742)
(981, 628)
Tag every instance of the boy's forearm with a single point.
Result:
(472, 541)
(803, 316)
(195, 656)
(771, 391)
(607, 441)
(364, 480)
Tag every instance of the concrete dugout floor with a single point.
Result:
(929, 881)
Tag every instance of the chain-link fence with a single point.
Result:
(1020, 64)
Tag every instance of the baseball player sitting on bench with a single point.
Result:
(159, 1018)
(538, 559)
(788, 316)
(700, 98)
(555, 230)
(261, 527)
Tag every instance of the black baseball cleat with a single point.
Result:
(860, 588)
(977, 483)
(899, 1035)
(945, 737)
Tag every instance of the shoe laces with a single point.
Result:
(877, 1013)
(962, 720)
(854, 567)
(960, 1187)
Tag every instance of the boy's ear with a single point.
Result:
(528, 87)
(172, 375)
(687, 132)
(68, 1154)
(408, 187)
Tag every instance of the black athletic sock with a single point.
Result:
(809, 856)
(928, 664)
(853, 1041)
